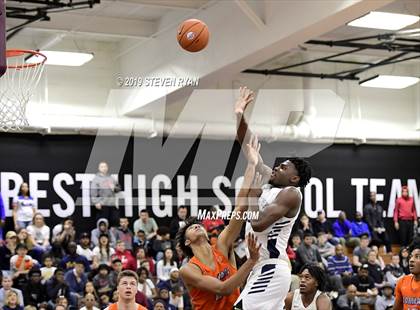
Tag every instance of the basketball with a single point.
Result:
(193, 35)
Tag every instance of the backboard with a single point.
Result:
(2, 38)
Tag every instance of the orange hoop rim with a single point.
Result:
(19, 52)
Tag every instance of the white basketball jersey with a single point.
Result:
(297, 303)
(274, 239)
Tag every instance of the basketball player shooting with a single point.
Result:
(278, 204)
(210, 276)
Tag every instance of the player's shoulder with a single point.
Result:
(406, 279)
(290, 194)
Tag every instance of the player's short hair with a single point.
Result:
(180, 236)
(318, 273)
(127, 273)
(304, 170)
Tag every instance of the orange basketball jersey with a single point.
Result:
(115, 307)
(408, 290)
(204, 300)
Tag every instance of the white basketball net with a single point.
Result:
(16, 88)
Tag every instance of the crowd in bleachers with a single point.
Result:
(65, 268)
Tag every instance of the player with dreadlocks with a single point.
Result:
(278, 203)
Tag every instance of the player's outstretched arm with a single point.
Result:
(228, 236)
(288, 199)
(193, 277)
(244, 134)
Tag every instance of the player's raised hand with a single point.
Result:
(253, 151)
(253, 247)
(246, 96)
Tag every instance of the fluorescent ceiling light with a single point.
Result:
(382, 20)
(390, 81)
(63, 58)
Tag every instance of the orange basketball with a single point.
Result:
(193, 35)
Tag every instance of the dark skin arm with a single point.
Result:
(323, 302)
(288, 301)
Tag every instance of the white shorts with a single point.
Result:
(267, 287)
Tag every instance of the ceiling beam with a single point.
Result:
(167, 4)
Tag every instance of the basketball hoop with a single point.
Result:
(17, 86)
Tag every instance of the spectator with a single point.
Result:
(349, 301)
(141, 299)
(84, 249)
(6, 284)
(365, 285)
(24, 207)
(358, 227)
(12, 301)
(342, 230)
(307, 253)
(213, 224)
(8, 250)
(404, 259)
(140, 240)
(373, 213)
(393, 271)
(116, 268)
(63, 234)
(164, 295)
(25, 238)
(56, 286)
(102, 193)
(360, 253)
(142, 256)
(178, 221)
(48, 270)
(146, 285)
(21, 263)
(102, 228)
(174, 279)
(181, 259)
(304, 225)
(40, 232)
(103, 252)
(405, 217)
(124, 233)
(321, 224)
(76, 280)
(69, 261)
(103, 281)
(176, 297)
(90, 289)
(386, 301)
(165, 265)
(375, 271)
(159, 304)
(325, 248)
(296, 242)
(90, 302)
(339, 267)
(162, 242)
(35, 292)
(2, 218)
(127, 259)
(147, 224)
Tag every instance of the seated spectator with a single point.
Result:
(358, 227)
(24, 207)
(103, 252)
(339, 267)
(141, 299)
(163, 294)
(141, 256)
(33, 249)
(63, 234)
(366, 290)
(349, 301)
(165, 265)
(40, 232)
(56, 286)
(12, 302)
(307, 253)
(360, 253)
(325, 248)
(322, 224)
(404, 259)
(181, 259)
(7, 250)
(296, 241)
(386, 301)
(393, 271)
(304, 226)
(373, 215)
(6, 284)
(146, 285)
(162, 242)
(127, 259)
(102, 228)
(47, 271)
(176, 297)
(140, 240)
(213, 224)
(342, 231)
(62, 303)
(178, 221)
(69, 261)
(35, 292)
(76, 280)
(90, 289)
(104, 301)
(147, 224)
(103, 281)
(375, 271)
(84, 249)
(20, 265)
(117, 267)
(159, 304)
(379, 259)
(90, 302)
(124, 233)
(174, 279)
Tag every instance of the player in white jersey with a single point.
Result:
(309, 296)
(278, 204)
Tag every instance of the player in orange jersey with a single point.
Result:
(407, 291)
(211, 276)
